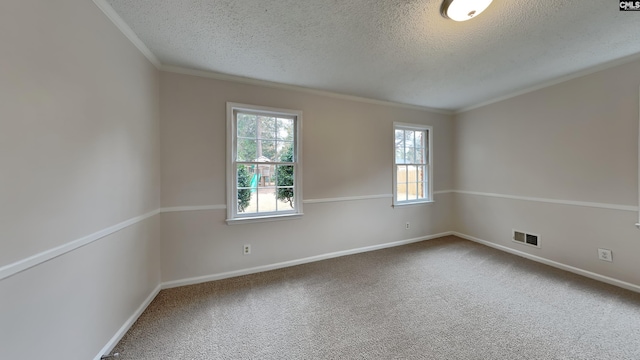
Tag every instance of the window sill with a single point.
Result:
(259, 219)
(413, 203)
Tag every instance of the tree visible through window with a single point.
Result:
(264, 162)
(412, 165)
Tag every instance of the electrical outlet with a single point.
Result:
(407, 226)
(605, 254)
(246, 249)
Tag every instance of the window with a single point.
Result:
(412, 164)
(264, 168)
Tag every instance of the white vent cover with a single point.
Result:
(526, 238)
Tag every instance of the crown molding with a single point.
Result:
(556, 81)
(276, 85)
(135, 40)
(126, 30)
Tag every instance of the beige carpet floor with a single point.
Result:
(441, 299)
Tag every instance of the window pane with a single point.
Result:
(409, 136)
(246, 187)
(419, 138)
(267, 127)
(419, 156)
(261, 142)
(410, 155)
(248, 207)
(267, 199)
(412, 173)
(265, 175)
(399, 140)
(421, 173)
(284, 175)
(400, 156)
(246, 150)
(286, 198)
(285, 151)
(285, 129)
(266, 150)
(401, 173)
(246, 126)
(412, 188)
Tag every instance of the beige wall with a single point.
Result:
(575, 141)
(347, 147)
(90, 129)
(71, 307)
(79, 152)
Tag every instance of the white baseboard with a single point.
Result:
(257, 269)
(127, 325)
(555, 264)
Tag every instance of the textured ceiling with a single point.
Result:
(395, 50)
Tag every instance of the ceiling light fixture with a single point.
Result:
(463, 10)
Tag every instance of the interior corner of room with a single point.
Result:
(114, 180)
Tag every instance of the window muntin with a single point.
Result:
(412, 164)
(264, 162)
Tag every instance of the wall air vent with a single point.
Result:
(532, 239)
(526, 238)
(518, 236)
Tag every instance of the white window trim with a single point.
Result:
(429, 198)
(232, 203)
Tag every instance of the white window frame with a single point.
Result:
(429, 164)
(232, 200)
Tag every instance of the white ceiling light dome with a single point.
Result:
(462, 10)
